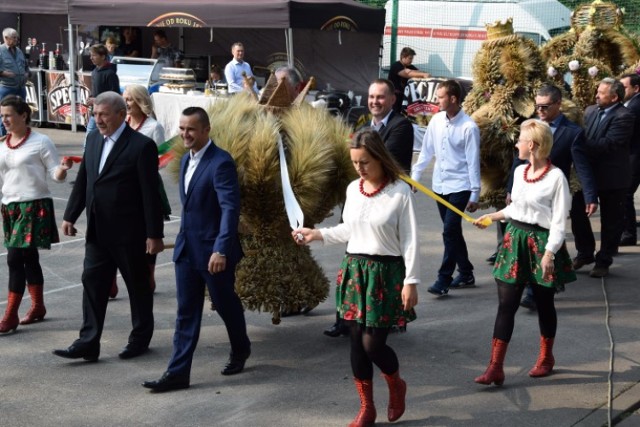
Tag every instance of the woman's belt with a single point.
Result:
(526, 226)
(376, 258)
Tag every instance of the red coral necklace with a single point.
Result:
(19, 144)
(374, 192)
(542, 175)
(139, 125)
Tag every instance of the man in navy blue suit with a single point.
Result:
(207, 251)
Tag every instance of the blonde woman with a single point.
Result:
(533, 250)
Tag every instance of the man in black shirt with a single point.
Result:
(400, 73)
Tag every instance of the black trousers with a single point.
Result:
(629, 207)
(100, 264)
(612, 204)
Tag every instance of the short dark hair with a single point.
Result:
(99, 49)
(407, 51)
(373, 144)
(634, 79)
(18, 104)
(452, 88)
(203, 117)
(550, 90)
(387, 83)
(160, 33)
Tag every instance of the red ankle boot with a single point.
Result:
(545, 362)
(494, 373)
(367, 415)
(10, 321)
(397, 393)
(37, 311)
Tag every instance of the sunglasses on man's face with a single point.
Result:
(543, 107)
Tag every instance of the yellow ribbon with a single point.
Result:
(415, 184)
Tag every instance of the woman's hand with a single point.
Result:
(409, 296)
(66, 163)
(548, 266)
(302, 236)
(483, 222)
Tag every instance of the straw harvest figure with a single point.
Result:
(597, 46)
(276, 275)
(507, 71)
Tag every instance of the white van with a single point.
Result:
(447, 34)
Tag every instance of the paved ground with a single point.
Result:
(298, 377)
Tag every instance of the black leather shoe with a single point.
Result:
(578, 263)
(599, 271)
(492, 258)
(74, 352)
(235, 364)
(528, 302)
(167, 382)
(132, 350)
(337, 329)
(628, 241)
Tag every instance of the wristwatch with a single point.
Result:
(219, 254)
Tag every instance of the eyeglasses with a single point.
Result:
(543, 107)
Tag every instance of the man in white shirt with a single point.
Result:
(234, 69)
(453, 139)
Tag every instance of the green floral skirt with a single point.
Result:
(370, 291)
(519, 259)
(29, 224)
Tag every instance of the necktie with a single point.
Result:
(594, 126)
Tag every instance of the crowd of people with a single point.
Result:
(119, 189)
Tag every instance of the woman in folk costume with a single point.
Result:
(26, 158)
(533, 251)
(379, 274)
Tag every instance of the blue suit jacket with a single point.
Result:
(210, 210)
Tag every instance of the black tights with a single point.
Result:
(369, 346)
(509, 301)
(24, 267)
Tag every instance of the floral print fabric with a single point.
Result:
(519, 259)
(29, 224)
(369, 292)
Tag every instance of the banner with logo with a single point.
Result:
(59, 99)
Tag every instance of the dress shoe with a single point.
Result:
(599, 271)
(492, 258)
(74, 352)
(461, 282)
(132, 350)
(337, 329)
(167, 382)
(628, 241)
(292, 312)
(307, 308)
(235, 364)
(578, 263)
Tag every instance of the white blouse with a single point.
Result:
(381, 225)
(24, 170)
(152, 129)
(545, 203)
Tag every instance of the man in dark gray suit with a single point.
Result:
(631, 83)
(117, 185)
(609, 126)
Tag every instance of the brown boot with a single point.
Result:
(545, 362)
(10, 321)
(494, 373)
(152, 276)
(37, 311)
(113, 292)
(367, 415)
(397, 393)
